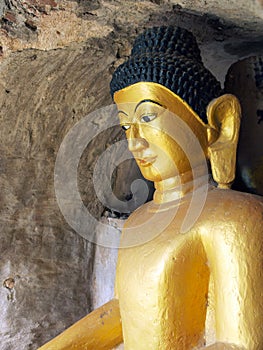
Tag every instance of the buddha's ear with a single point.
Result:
(224, 114)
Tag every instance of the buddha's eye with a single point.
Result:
(125, 127)
(148, 117)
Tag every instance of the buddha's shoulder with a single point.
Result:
(233, 207)
(219, 204)
(222, 197)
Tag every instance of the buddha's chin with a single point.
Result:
(154, 171)
(151, 173)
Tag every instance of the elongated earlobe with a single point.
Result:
(224, 114)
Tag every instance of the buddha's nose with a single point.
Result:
(136, 141)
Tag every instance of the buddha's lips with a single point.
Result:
(146, 161)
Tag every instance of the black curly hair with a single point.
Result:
(169, 56)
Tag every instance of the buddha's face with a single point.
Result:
(160, 140)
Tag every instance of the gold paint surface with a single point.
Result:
(100, 330)
(218, 138)
(163, 285)
(167, 99)
(231, 229)
(161, 307)
(224, 114)
(185, 291)
(154, 144)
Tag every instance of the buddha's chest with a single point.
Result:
(162, 288)
(170, 255)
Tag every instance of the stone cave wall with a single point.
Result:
(56, 61)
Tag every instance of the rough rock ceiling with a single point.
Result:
(226, 30)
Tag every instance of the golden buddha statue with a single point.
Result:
(189, 272)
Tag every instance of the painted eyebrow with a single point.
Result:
(123, 112)
(147, 100)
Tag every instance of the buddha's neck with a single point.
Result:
(177, 187)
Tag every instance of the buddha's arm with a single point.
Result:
(234, 247)
(100, 330)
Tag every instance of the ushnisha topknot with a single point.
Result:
(169, 56)
(168, 40)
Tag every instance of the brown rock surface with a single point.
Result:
(42, 95)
